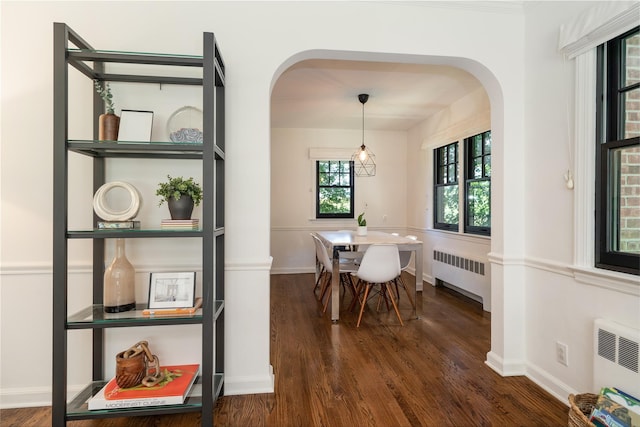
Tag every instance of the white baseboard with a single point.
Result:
(25, 397)
(292, 270)
(250, 385)
(29, 397)
(543, 379)
(552, 385)
(506, 368)
(41, 396)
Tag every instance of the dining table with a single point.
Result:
(340, 242)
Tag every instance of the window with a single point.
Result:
(478, 184)
(618, 154)
(476, 188)
(446, 213)
(334, 189)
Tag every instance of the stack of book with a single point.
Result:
(615, 408)
(172, 390)
(180, 224)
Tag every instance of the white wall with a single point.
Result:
(257, 44)
(382, 197)
(559, 306)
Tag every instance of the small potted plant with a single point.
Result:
(108, 123)
(362, 225)
(181, 195)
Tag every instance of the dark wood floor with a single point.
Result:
(430, 372)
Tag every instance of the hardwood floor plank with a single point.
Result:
(431, 372)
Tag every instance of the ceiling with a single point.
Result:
(324, 94)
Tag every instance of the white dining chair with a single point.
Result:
(347, 267)
(380, 265)
(405, 260)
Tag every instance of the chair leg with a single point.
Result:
(383, 295)
(404, 285)
(326, 285)
(328, 291)
(395, 307)
(345, 280)
(352, 287)
(363, 303)
(319, 279)
(356, 294)
(326, 302)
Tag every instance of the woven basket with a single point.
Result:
(581, 407)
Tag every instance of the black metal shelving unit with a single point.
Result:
(211, 152)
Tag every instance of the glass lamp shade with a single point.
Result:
(364, 162)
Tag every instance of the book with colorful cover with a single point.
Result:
(628, 401)
(615, 408)
(172, 390)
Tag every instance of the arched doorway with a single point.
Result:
(290, 228)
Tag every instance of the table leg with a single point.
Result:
(335, 286)
(419, 261)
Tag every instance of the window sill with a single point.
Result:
(607, 279)
(340, 220)
(460, 236)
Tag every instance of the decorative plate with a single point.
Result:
(185, 125)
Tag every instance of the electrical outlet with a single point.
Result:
(562, 353)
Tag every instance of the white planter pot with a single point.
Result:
(362, 230)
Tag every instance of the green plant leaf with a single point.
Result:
(176, 187)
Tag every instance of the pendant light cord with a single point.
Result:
(363, 98)
(362, 126)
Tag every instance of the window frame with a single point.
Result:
(468, 180)
(462, 186)
(351, 186)
(610, 137)
(437, 184)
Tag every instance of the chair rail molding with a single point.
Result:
(45, 268)
(249, 264)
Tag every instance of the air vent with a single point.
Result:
(628, 354)
(607, 345)
(616, 357)
(459, 262)
(463, 274)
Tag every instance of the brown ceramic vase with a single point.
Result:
(108, 125)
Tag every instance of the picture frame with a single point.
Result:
(135, 125)
(172, 289)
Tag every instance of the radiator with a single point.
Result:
(464, 274)
(616, 357)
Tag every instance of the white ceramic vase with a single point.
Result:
(362, 230)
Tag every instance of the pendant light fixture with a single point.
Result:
(363, 159)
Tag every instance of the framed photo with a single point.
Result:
(172, 290)
(135, 125)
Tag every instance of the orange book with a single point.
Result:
(172, 390)
(178, 311)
